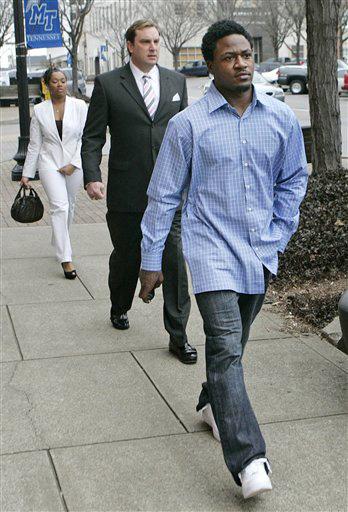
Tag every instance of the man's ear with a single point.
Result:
(130, 47)
(210, 67)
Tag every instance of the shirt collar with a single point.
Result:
(138, 74)
(217, 100)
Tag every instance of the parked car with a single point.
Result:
(271, 76)
(5, 76)
(273, 63)
(261, 85)
(295, 78)
(195, 68)
(81, 82)
(9, 93)
(342, 79)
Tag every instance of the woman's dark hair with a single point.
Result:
(219, 30)
(49, 72)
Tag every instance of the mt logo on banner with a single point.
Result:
(42, 23)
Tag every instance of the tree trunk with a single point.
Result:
(74, 59)
(298, 49)
(123, 55)
(274, 40)
(322, 26)
(175, 58)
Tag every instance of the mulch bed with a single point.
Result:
(311, 305)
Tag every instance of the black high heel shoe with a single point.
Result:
(72, 274)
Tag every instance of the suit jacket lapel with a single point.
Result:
(164, 91)
(67, 117)
(129, 83)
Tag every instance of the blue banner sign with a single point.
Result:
(42, 23)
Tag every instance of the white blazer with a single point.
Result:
(45, 149)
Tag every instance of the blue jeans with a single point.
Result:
(227, 318)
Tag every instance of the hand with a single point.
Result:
(25, 182)
(149, 280)
(67, 169)
(95, 190)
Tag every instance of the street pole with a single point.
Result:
(22, 85)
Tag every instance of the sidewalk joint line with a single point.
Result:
(97, 443)
(324, 357)
(49, 302)
(159, 436)
(14, 332)
(87, 354)
(85, 287)
(159, 392)
(305, 418)
(55, 474)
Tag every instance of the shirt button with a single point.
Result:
(246, 164)
(253, 230)
(250, 209)
(244, 141)
(247, 186)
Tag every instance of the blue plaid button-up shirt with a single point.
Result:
(242, 179)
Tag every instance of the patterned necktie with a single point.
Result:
(149, 96)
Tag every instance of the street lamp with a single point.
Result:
(22, 86)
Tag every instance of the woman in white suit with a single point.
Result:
(54, 150)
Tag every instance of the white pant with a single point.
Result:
(61, 191)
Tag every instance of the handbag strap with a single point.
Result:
(31, 192)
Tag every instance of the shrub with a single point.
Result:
(320, 247)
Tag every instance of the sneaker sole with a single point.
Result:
(256, 493)
(216, 434)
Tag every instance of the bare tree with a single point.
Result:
(117, 17)
(215, 10)
(179, 21)
(342, 26)
(296, 10)
(72, 18)
(6, 21)
(322, 27)
(276, 22)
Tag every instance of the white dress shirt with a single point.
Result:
(155, 80)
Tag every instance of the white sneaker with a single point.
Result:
(255, 479)
(208, 418)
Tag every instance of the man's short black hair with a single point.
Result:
(219, 30)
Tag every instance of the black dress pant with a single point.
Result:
(124, 266)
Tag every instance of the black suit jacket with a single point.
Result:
(135, 139)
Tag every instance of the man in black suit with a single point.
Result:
(136, 102)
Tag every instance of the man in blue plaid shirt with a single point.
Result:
(238, 159)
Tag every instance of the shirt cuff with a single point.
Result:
(151, 262)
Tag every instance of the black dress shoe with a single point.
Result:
(69, 274)
(120, 321)
(185, 354)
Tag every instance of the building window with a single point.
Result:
(200, 8)
(257, 43)
(178, 9)
(189, 54)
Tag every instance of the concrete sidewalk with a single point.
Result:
(95, 419)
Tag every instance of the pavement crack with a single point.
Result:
(29, 410)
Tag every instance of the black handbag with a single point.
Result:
(27, 206)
